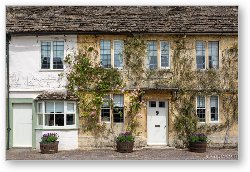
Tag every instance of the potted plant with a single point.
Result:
(198, 142)
(49, 143)
(125, 142)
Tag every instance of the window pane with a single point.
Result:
(152, 55)
(118, 115)
(59, 107)
(162, 104)
(118, 100)
(214, 108)
(105, 53)
(106, 100)
(164, 54)
(49, 119)
(201, 111)
(152, 104)
(105, 114)
(59, 119)
(49, 107)
(213, 49)
(70, 119)
(40, 119)
(201, 115)
(58, 54)
(70, 107)
(45, 55)
(118, 54)
(200, 55)
(40, 108)
(201, 101)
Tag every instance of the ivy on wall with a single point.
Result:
(90, 82)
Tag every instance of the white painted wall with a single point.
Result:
(68, 139)
(25, 61)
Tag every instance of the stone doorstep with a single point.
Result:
(157, 147)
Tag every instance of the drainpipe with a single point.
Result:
(8, 37)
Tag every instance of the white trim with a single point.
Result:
(113, 65)
(169, 66)
(205, 43)
(201, 108)
(111, 118)
(214, 122)
(64, 113)
(51, 54)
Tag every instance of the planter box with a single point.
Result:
(197, 147)
(125, 147)
(49, 148)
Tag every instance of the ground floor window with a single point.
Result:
(201, 108)
(56, 113)
(113, 109)
(211, 101)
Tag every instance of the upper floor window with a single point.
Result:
(52, 54)
(165, 60)
(201, 108)
(200, 55)
(213, 54)
(56, 114)
(118, 54)
(105, 52)
(152, 55)
(111, 58)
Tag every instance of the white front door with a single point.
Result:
(157, 122)
(22, 125)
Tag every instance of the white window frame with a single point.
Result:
(112, 52)
(157, 57)
(113, 56)
(201, 108)
(218, 121)
(51, 53)
(64, 113)
(205, 43)
(218, 53)
(110, 114)
(111, 111)
(168, 55)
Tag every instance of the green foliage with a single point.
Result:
(125, 137)
(134, 108)
(185, 123)
(91, 82)
(49, 137)
(198, 137)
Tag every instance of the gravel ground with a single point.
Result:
(110, 154)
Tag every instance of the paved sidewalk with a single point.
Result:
(111, 154)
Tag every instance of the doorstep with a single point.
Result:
(158, 147)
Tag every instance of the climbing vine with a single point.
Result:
(91, 83)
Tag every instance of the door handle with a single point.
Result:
(165, 126)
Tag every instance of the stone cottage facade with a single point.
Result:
(190, 54)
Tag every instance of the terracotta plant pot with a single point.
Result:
(49, 148)
(199, 147)
(124, 147)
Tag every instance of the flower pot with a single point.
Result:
(198, 147)
(49, 148)
(124, 147)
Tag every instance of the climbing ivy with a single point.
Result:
(91, 82)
